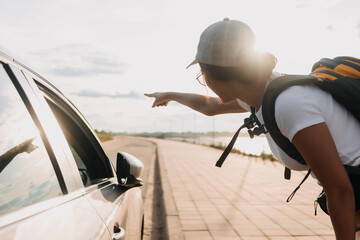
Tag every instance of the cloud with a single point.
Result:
(95, 94)
(318, 3)
(75, 60)
(330, 28)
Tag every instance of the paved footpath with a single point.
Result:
(245, 199)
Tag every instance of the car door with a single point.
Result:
(38, 200)
(119, 207)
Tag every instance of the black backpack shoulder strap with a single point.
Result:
(268, 110)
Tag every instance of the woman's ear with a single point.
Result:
(257, 66)
(267, 63)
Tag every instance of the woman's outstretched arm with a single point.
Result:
(207, 105)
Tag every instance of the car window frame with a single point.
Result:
(25, 78)
(39, 80)
(15, 75)
(19, 81)
(34, 80)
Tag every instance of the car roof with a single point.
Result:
(7, 57)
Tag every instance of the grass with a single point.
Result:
(263, 155)
(104, 136)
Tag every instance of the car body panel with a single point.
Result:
(73, 219)
(110, 202)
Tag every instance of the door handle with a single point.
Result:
(119, 233)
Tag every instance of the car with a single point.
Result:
(56, 181)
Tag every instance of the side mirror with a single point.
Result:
(129, 170)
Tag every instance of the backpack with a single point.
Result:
(339, 76)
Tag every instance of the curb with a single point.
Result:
(148, 198)
(173, 227)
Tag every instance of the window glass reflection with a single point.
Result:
(26, 173)
(91, 168)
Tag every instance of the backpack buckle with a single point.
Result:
(253, 124)
(257, 131)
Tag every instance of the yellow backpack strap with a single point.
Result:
(339, 67)
(350, 61)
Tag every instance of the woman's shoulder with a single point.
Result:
(298, 107)
(301, 94)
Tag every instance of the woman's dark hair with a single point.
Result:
(249, 72)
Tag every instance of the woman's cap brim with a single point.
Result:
(192, 63)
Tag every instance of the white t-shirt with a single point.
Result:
(299, 107)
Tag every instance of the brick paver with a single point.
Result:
(245, 199)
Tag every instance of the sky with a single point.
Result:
(104, 55)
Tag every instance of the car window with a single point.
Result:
(26, 173)
(93, 165)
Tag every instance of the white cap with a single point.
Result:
(222, 43)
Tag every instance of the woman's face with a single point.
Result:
(220, 88)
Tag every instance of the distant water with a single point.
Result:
(256, 145)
